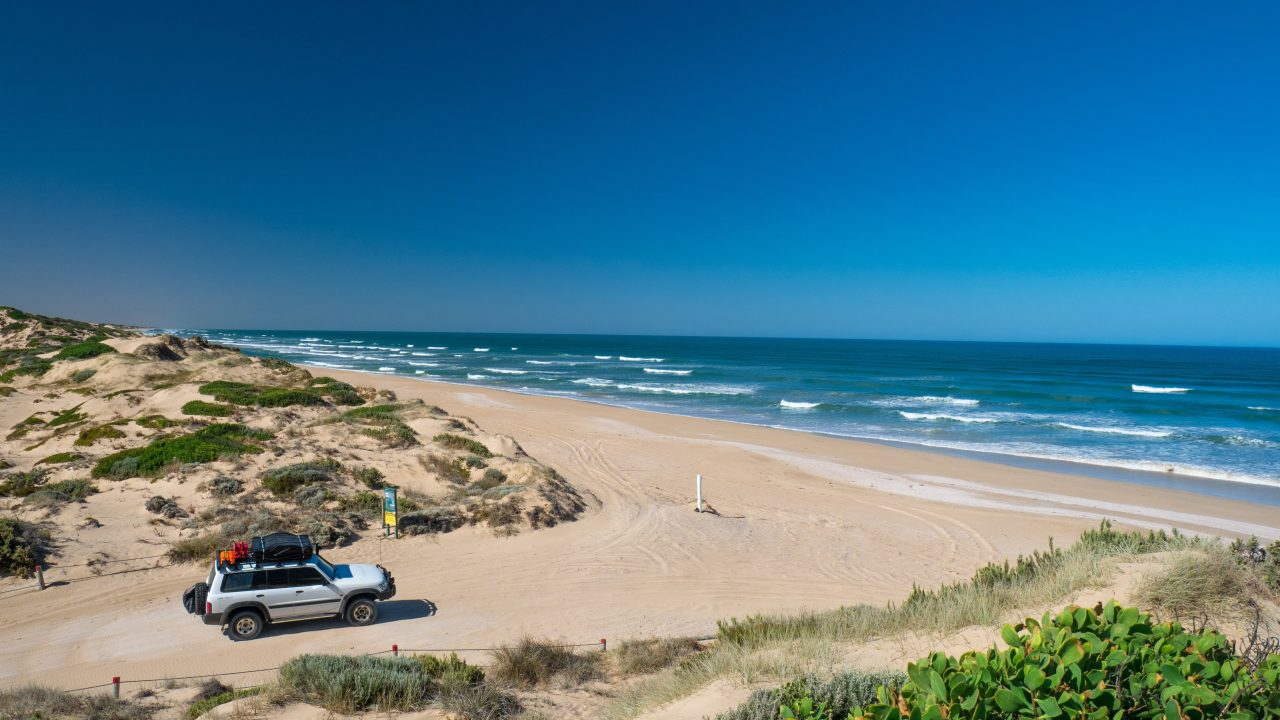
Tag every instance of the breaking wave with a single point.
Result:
(798, 405)
(624, 358)
(1159, 390)
(1135, 432)
(660, 371)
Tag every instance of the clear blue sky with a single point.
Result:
(1024, 171)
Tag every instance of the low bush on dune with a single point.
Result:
(69, 416)
(28, 366)
(204, 445)
(533, 663)
(1198, 585)
(39, 702)
(200, 407)
(356, 683)
(457, 442)
(639, 657)
(200, 547)
(838, 695)
(108, 431)
(84, 351)
(212, 694)
(383, 423)
(316, 393)
(60, 458)
(335, 391)
(80, 376)
(22, 484)
(285, 480)
(155, 422)
(1105, 662)
(1263, 560)
(54, 495)
(22, 545)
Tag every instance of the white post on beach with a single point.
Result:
(699, 492)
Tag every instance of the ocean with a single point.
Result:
(1205, 419)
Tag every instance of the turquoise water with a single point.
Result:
(1129, 412)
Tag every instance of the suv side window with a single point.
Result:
(305, 576)
(237, 582)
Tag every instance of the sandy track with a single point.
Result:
(805, 523)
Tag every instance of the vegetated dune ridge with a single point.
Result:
(804, 522)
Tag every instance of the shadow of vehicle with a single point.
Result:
(388, 611)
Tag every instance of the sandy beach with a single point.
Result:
(801, 522)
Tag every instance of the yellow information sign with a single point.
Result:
(389, 519)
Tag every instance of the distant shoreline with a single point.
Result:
(1242, 491)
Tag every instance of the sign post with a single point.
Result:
(389, 514)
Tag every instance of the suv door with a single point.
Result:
(271, 588)
(305, 593)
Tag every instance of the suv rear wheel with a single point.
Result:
(245, 625)
(362, 611)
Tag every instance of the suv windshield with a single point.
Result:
(325, 567)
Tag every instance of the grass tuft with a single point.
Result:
(533, 663)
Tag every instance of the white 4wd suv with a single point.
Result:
(245, 596)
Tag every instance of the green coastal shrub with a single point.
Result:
(200, 547)
(84, 351)
(22, 484)
(109, 431)
(67, 417)
(354, 683)
(457, 442)
(531, 663)
(837, 696)
(82, 375)
(55, 495)
(204, 445)
(641, 657)
(22, 545)
(200, 407)
(1105, 662)
(285, 480)
(60, 458)
(37, 703)
(155, 422)
(370, 477)
(383, 423)
(28, 366)
(335, 391)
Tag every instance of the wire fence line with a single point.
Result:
(395, 650)
(7, 592)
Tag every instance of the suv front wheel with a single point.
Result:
(245, 625)
(362, 611)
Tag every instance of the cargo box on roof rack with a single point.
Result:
(281, 547)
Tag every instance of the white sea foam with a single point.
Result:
(515, 348)
(386, 369)
(480, 350)
(423, 364)
(624, 358)
(475, 376)
(409, 345)
(309, 340)
(1263, 408)
(953, 418)
(604, 357)
(419, 372)
(923, 401)
(660, 371)
(422, 354)
(504, 371)
(1135, 432)
(593, 382)
(565, 363)
(437, 347)
(1159, 390)
(332, 365)
(798, 405)
(686, 389)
